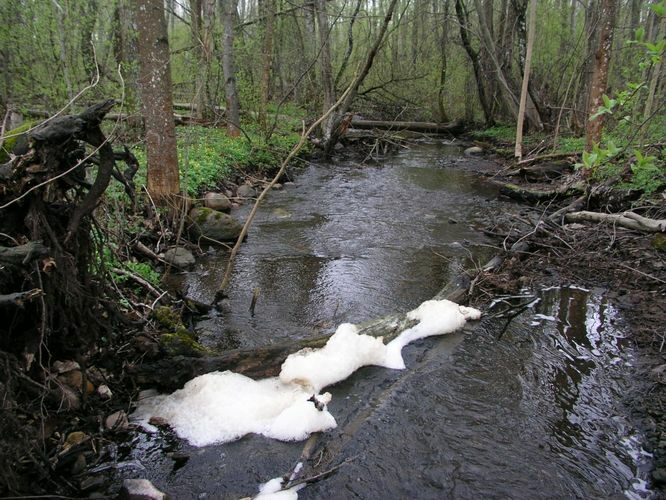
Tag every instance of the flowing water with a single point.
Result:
(533, 407)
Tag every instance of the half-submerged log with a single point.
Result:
(172, 373)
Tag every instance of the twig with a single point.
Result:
(139, 280)
(642, 273)
(294, 151)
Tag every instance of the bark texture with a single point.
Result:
(156, 99)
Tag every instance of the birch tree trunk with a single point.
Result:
(157, 101)
(518, 153)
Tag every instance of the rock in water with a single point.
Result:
(179, 257)
(217, 201)
(140, 489)
(246, 191)
(473, 151)
(213, 225)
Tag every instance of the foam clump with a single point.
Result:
(436, 317)
(344, 353)
(272, 490)
(224, 406)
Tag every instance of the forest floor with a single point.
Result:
(629, 266)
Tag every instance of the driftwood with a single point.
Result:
(533, 195)
(172, 373)
(629, 220)
(455, 127)
(550, 156)
(545, 171)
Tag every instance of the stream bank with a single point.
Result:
(568, 371)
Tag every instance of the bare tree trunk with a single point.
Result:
(60, 15)
(325, 68)
(507, 92)
(88, 21)
(155, 87)
(526, 78)
(337, 116)
(463, 21)
(654, 78)
(125, 50)
(443, 61)
(583, 89)
(350, 44)
(600, 74)
(202, 20)
(233, 103)
(267, 10)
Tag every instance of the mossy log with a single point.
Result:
(172, 373)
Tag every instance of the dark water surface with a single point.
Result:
(533, 410)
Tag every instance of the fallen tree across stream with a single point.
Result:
(172, 373)
(455, 127)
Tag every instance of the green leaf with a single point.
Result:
(659, 8)
(612, 149)
(640, 34)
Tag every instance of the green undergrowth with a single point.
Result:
(207, 156)
(617, 158)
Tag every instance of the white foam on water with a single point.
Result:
(223, 406)
(220, 407)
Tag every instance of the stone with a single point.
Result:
(179, 257)
(246, 191)
(217, 201)
(140, 489)
(473, 151)
(104, 392)
(117, 421)
(158, 421)
(213, 226)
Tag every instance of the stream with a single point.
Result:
(535, 407)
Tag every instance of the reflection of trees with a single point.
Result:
(575, 376)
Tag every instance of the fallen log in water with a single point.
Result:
(455, 127)
(172, 373)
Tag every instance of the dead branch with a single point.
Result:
(22, 254)
(629, 220)
(18, 298)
